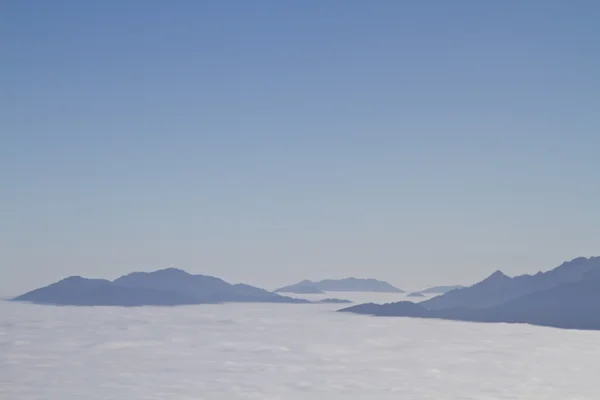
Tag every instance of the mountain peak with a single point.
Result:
(497, 276)
(498, 288)
(171, 271)
(73, 278)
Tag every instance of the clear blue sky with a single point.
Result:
(423, 142)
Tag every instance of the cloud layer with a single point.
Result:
(266, 351)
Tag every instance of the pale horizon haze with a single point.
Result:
(266, 142)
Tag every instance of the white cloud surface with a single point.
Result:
(283, 352)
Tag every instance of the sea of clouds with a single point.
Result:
(283, 351)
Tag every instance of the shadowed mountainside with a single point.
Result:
(573, 304)
(499, 288)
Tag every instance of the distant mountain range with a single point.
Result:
(340, 285)
(167, 287)
(565, 297)
(498, 288)
(440, 289)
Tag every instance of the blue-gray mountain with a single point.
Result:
(340, 285)
(499, 288)
(167, 287)
(565, 297)
(440, 289)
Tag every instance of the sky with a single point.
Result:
(266, 142)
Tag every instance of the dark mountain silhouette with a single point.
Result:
(178, 280)
(499, 288)
(164, 287)
(440, 289)
(415, 294)
(341, 285)
(206, 289)
(78, 291)
(572, 305)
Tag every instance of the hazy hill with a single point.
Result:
(341, 285)
(571, 305)
(78, 291)
(304, 287)
(574, 304)
(173, 279)
(440, 289)
(499, 288)
(204, 288)
(164, 287)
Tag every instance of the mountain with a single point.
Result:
(173, 279)
(163, 287)
(78, 291)
(204, 288)
(341, 285)
(440, 289)
(415, 294)
(499, 288)
(304, 287)
(574, 304)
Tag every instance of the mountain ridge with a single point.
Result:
(570, 303)
(167, 287)
(350, 284)
(440, 289)
(499, 288)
